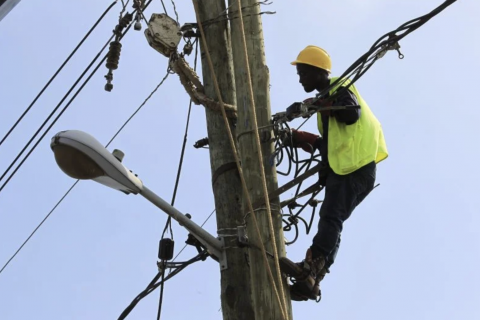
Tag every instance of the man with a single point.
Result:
(351, 144)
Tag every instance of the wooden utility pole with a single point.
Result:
(235, 280)
(265, 301)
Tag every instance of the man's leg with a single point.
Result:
(342, 195)
(337, 206)
(331, 257)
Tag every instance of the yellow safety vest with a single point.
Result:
(350, 147)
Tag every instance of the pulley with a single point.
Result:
(163, 34)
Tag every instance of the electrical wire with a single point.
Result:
(48, 118)
(285, 144)
(57, 72)
(388, 41)
(175, 10)
(204, 222)
(180, 163)
(61, 112)
(164, 8)
(153, 285)
(70, 189)
(54, 121)
(168, 224)
(225, 14)
(162, 287)
(124, 6)
(39, 225)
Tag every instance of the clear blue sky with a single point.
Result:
(410, 251)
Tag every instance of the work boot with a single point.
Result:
(297, 291)
(305, 275)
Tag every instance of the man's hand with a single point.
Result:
(302, 139)
(294, 110)
(320, 103)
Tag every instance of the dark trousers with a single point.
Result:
(343, 193)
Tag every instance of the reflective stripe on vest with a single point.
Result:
(350, 147)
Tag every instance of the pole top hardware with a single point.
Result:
(163, 34)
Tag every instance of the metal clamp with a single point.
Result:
(242, 236)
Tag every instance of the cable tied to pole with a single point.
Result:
(192, 84)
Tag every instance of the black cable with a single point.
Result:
(168, 224)
(161, 292)
(70, 189)
(386, 42)
(175, 10)
(74, 184)
(52, 124)
(151, 287)
(164, 8)
(139, 108)
(41, 223)
(206, 220)
(62, 111)
(389, 41)
(57, 72)
(49, 117)
(146, 291)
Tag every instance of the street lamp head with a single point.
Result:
(81, 156)
(76, 164)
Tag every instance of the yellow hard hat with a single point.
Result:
(314, 56)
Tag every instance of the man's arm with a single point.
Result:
(346, 98)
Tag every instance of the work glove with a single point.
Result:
(320, 102)
(302, 139)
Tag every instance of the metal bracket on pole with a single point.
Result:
(242, 236)
(222, 259)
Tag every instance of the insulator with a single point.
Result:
(125, 21)
(188, 48)
(165, 250)
(114, 55)
(138, 4)
(137, 26)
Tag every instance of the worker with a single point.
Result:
(351, 144)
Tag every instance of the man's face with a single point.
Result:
(311, 78)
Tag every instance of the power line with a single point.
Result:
(39, 225)
(139, 108)
(204, 222)
(70, 189)
(177, 180)
(62, 111)
(51, 115)
(175, 10)
(153, 285)
(175, 189)
(388, 41)
(57, 72)
(164, 8)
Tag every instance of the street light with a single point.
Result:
(81, 156)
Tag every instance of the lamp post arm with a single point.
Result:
(213, 245)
